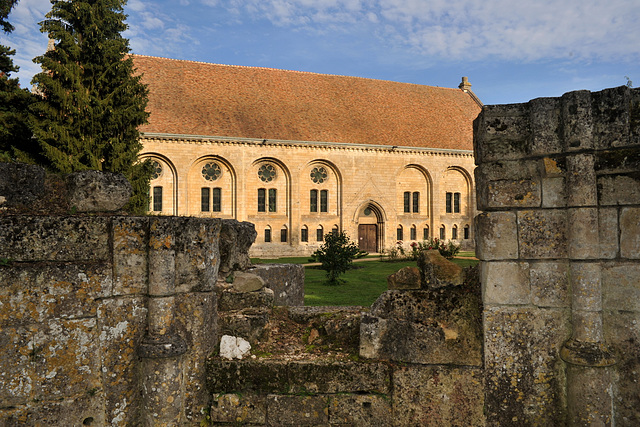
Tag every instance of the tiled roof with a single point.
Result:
(193, 98)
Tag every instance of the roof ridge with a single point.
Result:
(292, 71)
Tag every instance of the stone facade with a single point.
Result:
(558, 183)
(301, 154)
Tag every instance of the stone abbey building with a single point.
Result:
(302, 154)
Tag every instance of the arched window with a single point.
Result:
(442, 232)
(320, 234)
(284, 234)
(313, 201)
(466, 232)
(454, 232)
(304, 234)
(335, 229)
(262, 200)
(157, 199)
(413, 232)
(425, 233)
(399, 233)
(267, 234)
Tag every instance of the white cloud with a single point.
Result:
(470, 29)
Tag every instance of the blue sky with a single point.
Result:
(512, 51)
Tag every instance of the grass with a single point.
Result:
(363, 286)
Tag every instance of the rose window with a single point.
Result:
(156, 170)
(267, 173)
(211, 171)
(319, 175)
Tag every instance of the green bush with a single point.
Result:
(336, 256)
(397, 253)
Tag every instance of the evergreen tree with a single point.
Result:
(91, 103)
(14, 102)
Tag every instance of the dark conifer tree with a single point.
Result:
(92, 103)
(14, 101)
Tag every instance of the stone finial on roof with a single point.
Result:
(465, 85)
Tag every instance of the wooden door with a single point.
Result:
(368, 237)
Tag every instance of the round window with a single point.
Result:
(267, 172)
(367, 211)
(156, 170)
(319, 175)
(211, 171)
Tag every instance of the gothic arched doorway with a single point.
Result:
(370, 228)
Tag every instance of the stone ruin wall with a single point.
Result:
(110, 320)
(558, 180)
(105, 320)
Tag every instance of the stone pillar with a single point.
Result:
(162, 348)
(589, 386)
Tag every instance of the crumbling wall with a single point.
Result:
(76, 304)
(558, 180)
(104, 319)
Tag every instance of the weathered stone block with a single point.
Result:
(34, 293)
(229, 300)
(246, 282)
(608, 232)
(405, 278)
(524, 376)
(581, 181)
(338, 377)
(54, 238)
(496, 236)
(586, 285)
(630, 233)
(122, 324)
(285, 377)
(67, 358)
(84, 409)
(197, 253)
(436, 271)
(429, 327)
(129, 236)
(97, 191)
(621, 286)
(360, 410)
(610, 109)
(297, 410)
(553, 192)
(235, 240)
(239, 408)
(577, 119)
(505, 282)
(611, 162)
(545, 126)
(20, 184)
(549, 282)
(286, 281)
(620, 189)
(508, 184)
(584, 236)
(250, 324)
(622, 333)
(542, 234)
(502, 132)
(197, 322)
(17, 370)
(438, 396)
(162, 256)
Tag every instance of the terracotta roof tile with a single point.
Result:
(195, 98)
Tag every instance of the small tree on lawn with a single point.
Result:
(336, 255)
(91, 102)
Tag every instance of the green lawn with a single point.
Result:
(363, 284)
